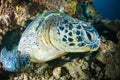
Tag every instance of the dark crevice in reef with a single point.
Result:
(106, 31)
(11, 39)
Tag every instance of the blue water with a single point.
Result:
(109, 9)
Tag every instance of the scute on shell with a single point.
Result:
(52, 35)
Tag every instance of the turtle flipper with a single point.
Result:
(12, 60)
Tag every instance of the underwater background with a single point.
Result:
(108, 8)
(103, 64)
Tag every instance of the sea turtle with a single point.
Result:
(50, 36)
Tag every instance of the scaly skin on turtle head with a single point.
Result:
(49, 36)
(69, 34)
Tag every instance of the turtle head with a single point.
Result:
(13, 60)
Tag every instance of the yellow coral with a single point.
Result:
(21, 14)
(92, 9)
(73, 5)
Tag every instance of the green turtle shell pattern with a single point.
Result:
(52, 35)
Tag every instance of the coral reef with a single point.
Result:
(76, 69)
(103, 64)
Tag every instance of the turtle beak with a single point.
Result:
(10, 59)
